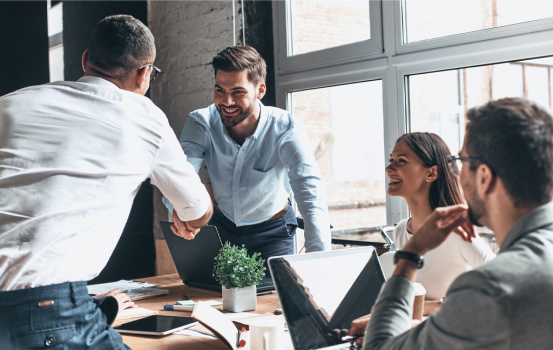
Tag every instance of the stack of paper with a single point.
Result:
(135, 312)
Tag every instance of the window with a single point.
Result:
(313, 31)
(324, 32)
(432, 19)
(345, 126)
(439, 101)
(432, 61)
(55, 40)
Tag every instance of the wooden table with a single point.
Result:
(265, 303)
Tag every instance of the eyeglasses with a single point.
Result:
(155, 70)
(456, 163)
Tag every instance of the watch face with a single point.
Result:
(420, 263)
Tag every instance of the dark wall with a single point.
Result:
(79, 20)
(134, 256)
(23, 45)
(258, 23)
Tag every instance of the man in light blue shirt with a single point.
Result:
(255, 156)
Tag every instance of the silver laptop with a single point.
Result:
(320, 292)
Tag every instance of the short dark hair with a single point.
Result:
(239, 58)
(514, 137)
(121, 44)
(433, 150)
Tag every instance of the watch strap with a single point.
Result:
(417, 259)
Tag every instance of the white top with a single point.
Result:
(72, 158)
(445, 263)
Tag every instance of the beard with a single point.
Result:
(473, 217)
(477, 209)
(236, 119)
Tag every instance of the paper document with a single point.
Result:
(134, 312)
(220, 325)
(194, 333)
(123, 285)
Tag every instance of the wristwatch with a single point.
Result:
(409, 256)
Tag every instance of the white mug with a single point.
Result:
(267, 335)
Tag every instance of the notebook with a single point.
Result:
(323, 291)
(194, 258)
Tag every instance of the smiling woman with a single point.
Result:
(419, 172)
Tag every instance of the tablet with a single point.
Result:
(156, 325)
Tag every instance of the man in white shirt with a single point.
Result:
(72, 158)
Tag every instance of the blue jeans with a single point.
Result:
(272, 238)
(59, 316)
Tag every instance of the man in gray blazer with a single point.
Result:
(507, 179)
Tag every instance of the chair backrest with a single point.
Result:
(387, 263)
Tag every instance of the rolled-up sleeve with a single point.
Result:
(177, 179)
(471, 317)
(192, 140)
(309, 190)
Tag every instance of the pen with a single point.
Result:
(351, 337)
(126, 291)
(171, 307)
(242, 339)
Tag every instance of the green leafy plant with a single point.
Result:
(235, 268)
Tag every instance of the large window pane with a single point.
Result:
(439, 101)
(322, 24)
(55, 52)
(427, 19)
(345, 126)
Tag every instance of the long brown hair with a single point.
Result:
(433, 150)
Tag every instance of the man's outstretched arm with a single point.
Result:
(308, 186)
(178, 181)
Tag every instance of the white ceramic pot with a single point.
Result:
(240, 299)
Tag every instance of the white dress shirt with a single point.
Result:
(72, 158)
(445, 263)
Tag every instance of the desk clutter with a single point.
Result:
(135, 290)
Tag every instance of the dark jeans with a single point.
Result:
(272, 238)
(73, 321)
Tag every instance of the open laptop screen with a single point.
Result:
(323, 291)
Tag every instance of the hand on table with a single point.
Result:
(123, 300)
(438, 226)
(182, 228)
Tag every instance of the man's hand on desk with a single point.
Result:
(183, 228)
(123, 300)
(358, 327)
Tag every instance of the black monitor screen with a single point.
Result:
(324, 291)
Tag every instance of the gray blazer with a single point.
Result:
(504, 304)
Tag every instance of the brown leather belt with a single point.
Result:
(276, 216)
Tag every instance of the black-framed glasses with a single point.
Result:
(456, 163)
(155, 70)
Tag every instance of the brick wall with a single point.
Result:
(188, 34)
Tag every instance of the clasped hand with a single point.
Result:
(182, 228)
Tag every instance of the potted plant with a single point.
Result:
(238, 273)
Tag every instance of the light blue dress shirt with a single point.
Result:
(252, 182)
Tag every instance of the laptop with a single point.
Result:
(320, 292)
(194, 258)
